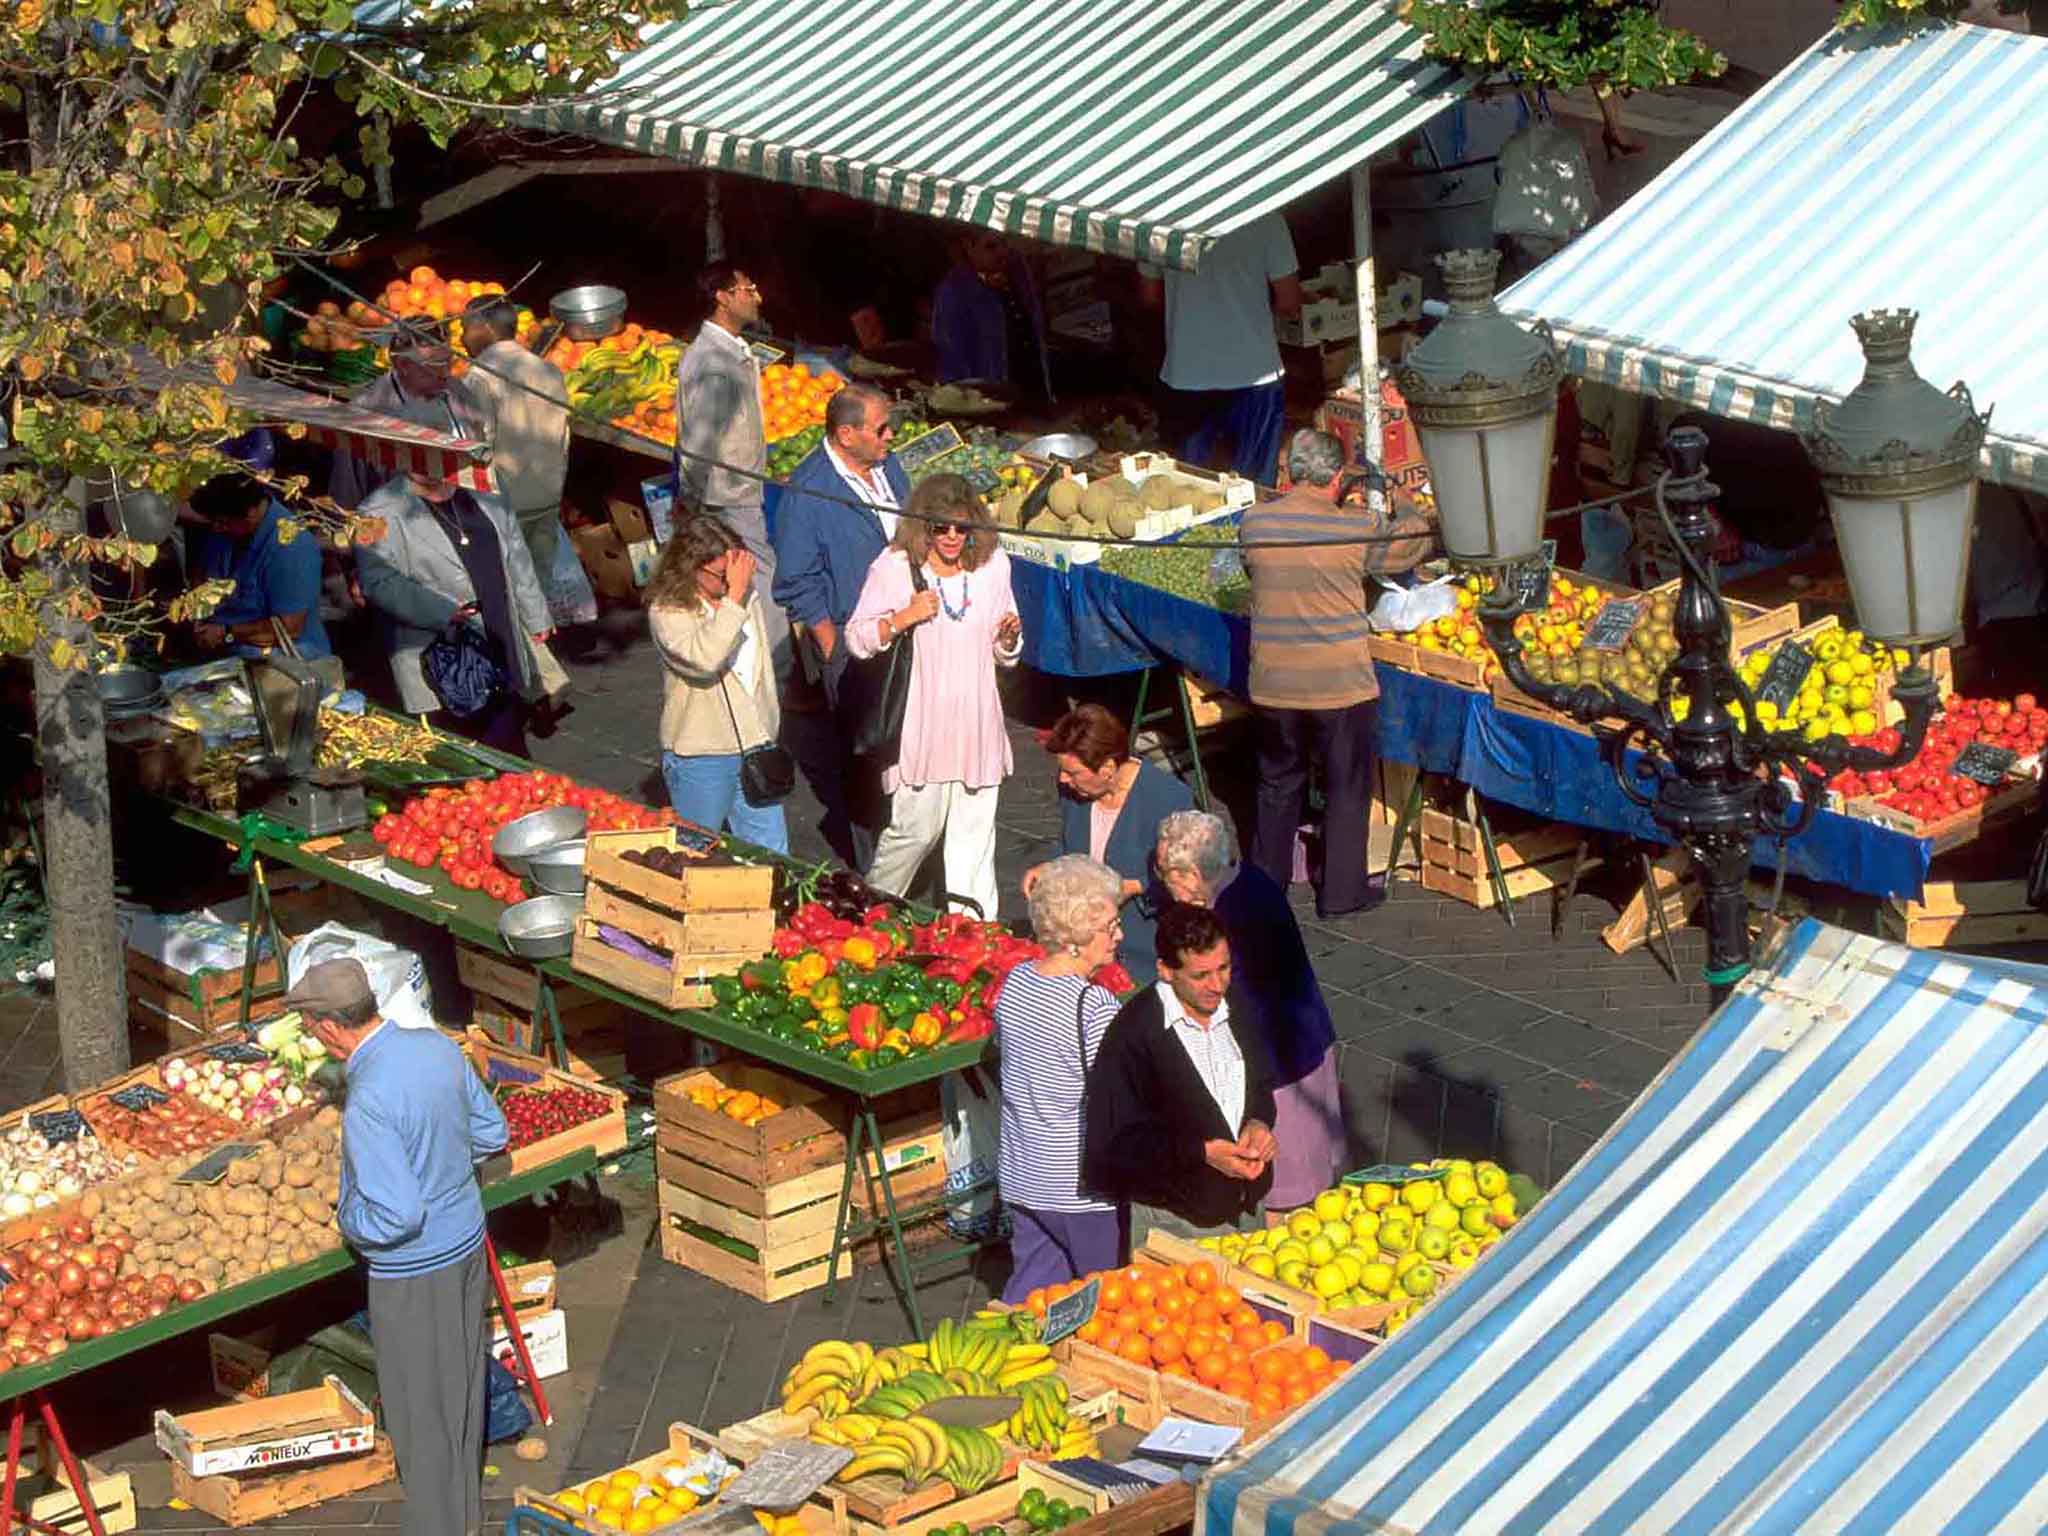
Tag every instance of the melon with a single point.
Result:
(1123, 519)
(1161, 492)
(1046, 522)
(1098, 499)
(1064, 498)
(1009, 507)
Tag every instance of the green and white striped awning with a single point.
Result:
(1141, 128)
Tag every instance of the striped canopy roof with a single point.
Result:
(1142, 128)
(1800, 1287)
(1900, 171)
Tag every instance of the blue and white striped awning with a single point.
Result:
(1143, 128)
(1910, 171)
(1802, 1286)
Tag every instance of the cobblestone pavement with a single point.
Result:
(1459, 1035)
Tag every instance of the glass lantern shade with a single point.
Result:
(1907, 559)
(1491, 485)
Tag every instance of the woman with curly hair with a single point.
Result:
(961, 622)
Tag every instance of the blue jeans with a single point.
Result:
(1250, 419)
(706, 790)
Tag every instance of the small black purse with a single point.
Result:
(767, 772)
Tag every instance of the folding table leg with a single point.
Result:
(547, 1022)
(79, 1484)
(526, 1371)
(1494, 873)
(15, 1416)
(899, 1249)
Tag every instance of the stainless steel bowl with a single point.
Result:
(518, 841)
(128, 689)
(1060, 445)
(558, 869)
(540, 929)
(589, 313)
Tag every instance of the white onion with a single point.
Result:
(28, 1181)
(237, 1113)
(16, 1205)
(294, 1095)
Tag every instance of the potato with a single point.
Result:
(316, 1210)
(328, 1118)
(156, 1187)
(211, 1269)
(287, 1213)
(270, 1172)
(171, 1228)
(259, 1223)
(330, 1189)
(91, 1204)
(213, 1200)
(186, 1254)
(236, 1227)
(303, 1251)
(302, 1173)
(184, 1200)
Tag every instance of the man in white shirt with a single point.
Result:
(519, 405)
(1222, 356)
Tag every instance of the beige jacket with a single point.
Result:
(698, 647)
(520, 406)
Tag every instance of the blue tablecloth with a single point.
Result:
(1088, 623)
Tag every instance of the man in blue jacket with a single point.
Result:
(416, 1123)
(823, 548)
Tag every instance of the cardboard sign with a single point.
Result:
(497, 1070)
(786, 1474)
(1987, 764)
(1788, 669)
(137, 1097)
(57, 1126)
(935, 444)
(1071, 1312)
(1612, 626)
(240, 1053)
(212, 1168)
(1532, 579)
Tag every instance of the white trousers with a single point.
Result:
(919, 815)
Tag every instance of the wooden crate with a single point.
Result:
(684, 984)
(1516, 846)
(1460, 671)
(240, 1499)
(1050, 1482)
(713, 887)
(113, 1500)
(824, 1516)
(322, 1423)
(1389, 652)
(595, 1037)
(1752, 625)
(1964, 913)
(1532, 859)
(2008, 802)
(879, 1502)
(1510, 700)
(603, 1135)
(514, 984)
(806, 1114)
(721, 932)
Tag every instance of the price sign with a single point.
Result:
(58, 1125)
(786, 1474)
(213, 1167)
(498, 1071)
(1987, 764)
(138, 1096)
(239, 1052)
(1532, 579)
(765, 353)
(1071, 1312)
(1391, 1173)
(935, 444)
(1612, 626)
(1788, 669)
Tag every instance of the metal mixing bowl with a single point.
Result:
(589, 313)
(540, 929)
(1060, 445)
(128, 688)
(558, 869)
(518, 841)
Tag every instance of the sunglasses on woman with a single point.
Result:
(960, 528)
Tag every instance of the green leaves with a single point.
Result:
(1851, 14)
(1565, 44)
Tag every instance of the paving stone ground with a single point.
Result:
(1460, 1034)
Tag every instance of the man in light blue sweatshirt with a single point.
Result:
(416, 1123)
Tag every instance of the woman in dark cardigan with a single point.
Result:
(1112, 805)
(1197, 862)
(1178, 1118)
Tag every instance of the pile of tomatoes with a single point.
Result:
(67, 1289)
(1928, 788)
(452, 828)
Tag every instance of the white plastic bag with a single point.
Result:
(970, 1122)
(566, 586)
(397, 976)
(1401, 609)
(1546, 184)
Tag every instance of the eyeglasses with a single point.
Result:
(959, 528)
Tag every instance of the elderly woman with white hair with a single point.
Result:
(1050, 1020)
(1197, 862)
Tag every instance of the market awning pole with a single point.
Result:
(1369, 446)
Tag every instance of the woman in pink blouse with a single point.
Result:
(955, 753)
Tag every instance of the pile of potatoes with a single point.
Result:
(274, 1209)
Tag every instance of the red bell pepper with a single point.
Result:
(865, 1025)
(788, 943)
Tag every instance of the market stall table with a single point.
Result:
(472, 917)
(32, 1382)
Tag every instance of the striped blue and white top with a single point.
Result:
(1040, 1022)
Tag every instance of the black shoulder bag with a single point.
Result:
(875, 692)
(767, 772)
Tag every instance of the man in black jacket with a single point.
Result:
(1179, 1108)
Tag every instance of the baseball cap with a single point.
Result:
(334, 989)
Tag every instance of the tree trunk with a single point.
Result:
(78, 845)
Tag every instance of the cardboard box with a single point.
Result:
(605, 561)
(241, 1367)
(547, 1341)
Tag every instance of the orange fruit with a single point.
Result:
(1112, 1341)
(1227, 1300)
(1300, 1391)
(1205, 1310)
(1268, 1367)
(1178, 1368)
(1201, 1276)
(1248, 1339)
(1238, 1384)
(1242, 1316)
(1133, 1273)
(1137, 1349)
(1168, 1347)
(1144, 1293)
(1201, 1340)
(420, 276)
(1274, 1330)
(1035, 1302)
(1316, 1358)
(1267, 1397)
(1212, 1367)
(1114, 1294)
(1176, 1303)
(1153, 1324)
(1339, 1367)
(1091, 1331)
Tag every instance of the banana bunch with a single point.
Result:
(976, 1458)
(1025, 1326)
(912, 1447)
(830, 1377)
(1078, 1441)
(991, 1349)
(907, 1394)
(1041, 1419)
(611, 381)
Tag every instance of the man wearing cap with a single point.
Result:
(416, 1122)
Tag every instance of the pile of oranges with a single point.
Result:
(793, 398)
(1184, 1321)
(424, 293)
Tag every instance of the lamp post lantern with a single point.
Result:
(1900, 475)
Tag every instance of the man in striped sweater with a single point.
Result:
(1312, 683)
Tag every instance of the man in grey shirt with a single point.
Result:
(722, 448)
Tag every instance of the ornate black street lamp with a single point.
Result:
(1898, 460)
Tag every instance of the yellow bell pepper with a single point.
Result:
(895, 1038)
(831, 1014)
(861, 951)
(826, 993)
(925, 1030)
